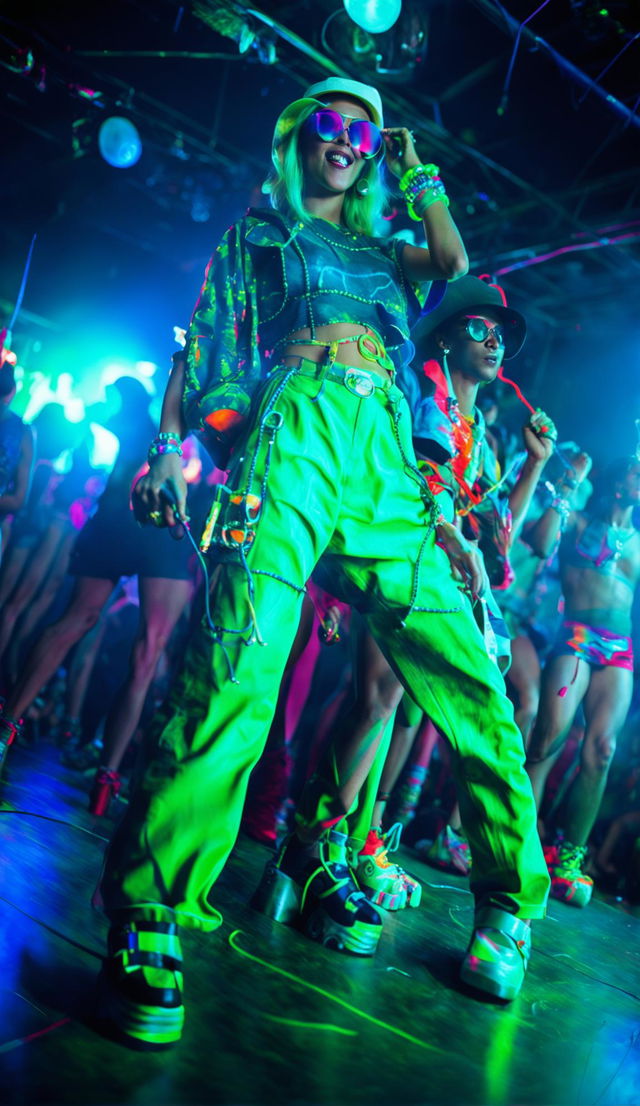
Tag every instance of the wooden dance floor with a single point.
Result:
(273, 1018)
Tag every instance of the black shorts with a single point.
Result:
(112, 544)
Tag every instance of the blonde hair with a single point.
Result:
(286, 182)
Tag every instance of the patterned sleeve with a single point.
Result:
(223, 364)
(423, 296)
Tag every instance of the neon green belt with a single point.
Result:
(369, 346)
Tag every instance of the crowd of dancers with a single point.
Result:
(402, 614)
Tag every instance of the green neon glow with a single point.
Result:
(327, 994)
(313, 1025)
(499, 1058)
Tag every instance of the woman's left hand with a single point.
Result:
(400, 152)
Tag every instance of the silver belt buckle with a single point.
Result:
(359, 384)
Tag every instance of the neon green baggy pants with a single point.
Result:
(331, 455)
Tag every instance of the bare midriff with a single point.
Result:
(347, 353)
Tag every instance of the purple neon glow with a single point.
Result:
(595, 245)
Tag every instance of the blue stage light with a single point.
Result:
(374, 16)
(119, 142)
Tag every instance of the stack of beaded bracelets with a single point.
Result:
(561, 501)
(421, 186)
(164, 443)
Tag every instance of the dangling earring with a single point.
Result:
(445, 368)
(362, 186)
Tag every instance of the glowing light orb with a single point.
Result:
(119, 142)
(74, 409)
(103, 448)
(145, 368)
(374, 16)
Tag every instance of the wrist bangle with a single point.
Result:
(426, 199)
(164, 443)
(421, 186)
(562, 506)
(425, 171)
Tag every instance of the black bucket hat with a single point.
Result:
(471, 296)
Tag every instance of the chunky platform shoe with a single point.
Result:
(449, 852)
(314, 885)
(140, 986)
(498, 953)
(385, 883)
(568, 881)
(106, 786)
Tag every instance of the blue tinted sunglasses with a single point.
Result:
(328, 125)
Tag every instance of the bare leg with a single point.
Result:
(377, 698)
(555, 716)
(13, 562)
(81, 667)
(348, 762)
(83, 612)
(606, 705)
(161, 604)
(402, 742)
(5, 532)
(39, 605)
(524, 677)
(30, 580)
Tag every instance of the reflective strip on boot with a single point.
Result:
(141, 984)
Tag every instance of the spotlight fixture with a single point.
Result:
(119, 142)
(249, 33)
(374, 16)
(353, 32)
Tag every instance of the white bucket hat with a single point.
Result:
(332, 86)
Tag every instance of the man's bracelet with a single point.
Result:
(562, 506)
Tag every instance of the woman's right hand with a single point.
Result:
(161, 489)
